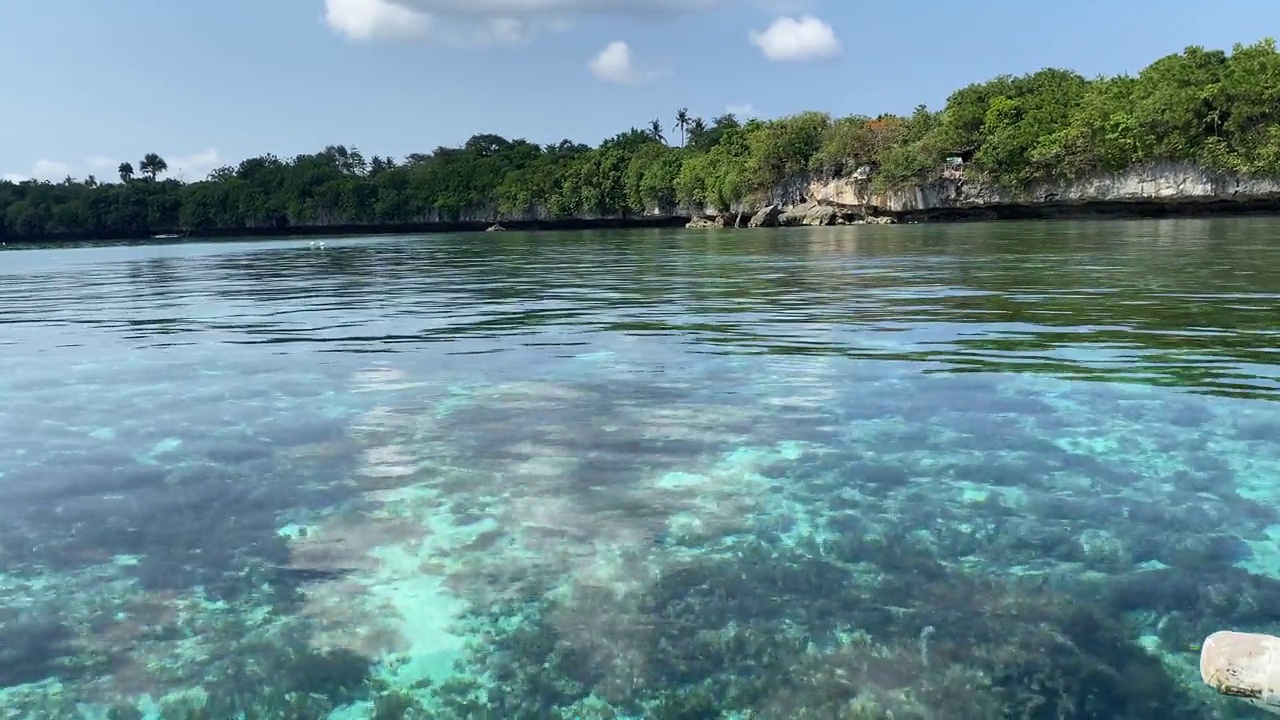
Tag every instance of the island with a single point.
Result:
(1193, 132)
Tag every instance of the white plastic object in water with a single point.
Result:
(1243, 665)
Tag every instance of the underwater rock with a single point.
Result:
(231, 451)
(1101, 549)
(293, 432)
(73, 479)
(766, 632)
(1211, 596)
(31, 648)
(1203, 551)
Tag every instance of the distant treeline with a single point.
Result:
(1215, 108)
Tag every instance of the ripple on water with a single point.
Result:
(920, 471)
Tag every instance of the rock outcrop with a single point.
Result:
(766, 216)
(1162, 188)
(1160, 182)
(819, 200)
(811, 213)
(708, 221)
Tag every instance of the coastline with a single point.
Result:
(783, 216)
(1049, 144)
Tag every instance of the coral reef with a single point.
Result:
(577, 548)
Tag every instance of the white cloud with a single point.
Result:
(99, 163)
(363, 20)
(742, 112)
(791, 39)
(505, 31)
(615, 64)
(188, 168)
(196, 166)
(50, 170)
(486, 22)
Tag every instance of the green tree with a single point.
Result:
(682, 122)
(152, 165)
(697, 137)
(1178, 104)
(655, 130)
(1218, 109)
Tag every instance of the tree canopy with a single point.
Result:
(1219, 109)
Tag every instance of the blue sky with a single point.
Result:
(89, 83)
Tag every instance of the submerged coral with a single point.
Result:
(777, 634)
(583, 549)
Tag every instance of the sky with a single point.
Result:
(204, 83)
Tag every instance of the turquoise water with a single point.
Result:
(965, 471)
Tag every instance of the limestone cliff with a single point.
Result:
(1151, 188)
(824, 200)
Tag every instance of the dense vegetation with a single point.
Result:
(1209, 106)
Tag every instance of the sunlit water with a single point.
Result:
(968, 471)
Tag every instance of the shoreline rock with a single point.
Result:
(810, 200)
(1158, 190)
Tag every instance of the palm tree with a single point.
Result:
(152, 165)
(697, 130)
(682, 122)
(655, 130)
(126, 171)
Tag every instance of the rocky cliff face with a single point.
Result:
(1170, 186)
(824, 200)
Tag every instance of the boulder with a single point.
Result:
(710, 221)
(796, 215)
(767, 217)
(820, 215)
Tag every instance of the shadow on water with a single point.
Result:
(809, 473)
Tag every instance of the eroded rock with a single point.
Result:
(766, 217)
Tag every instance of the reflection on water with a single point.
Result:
(966, 471)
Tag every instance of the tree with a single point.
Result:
(682, 122)
(347, 161)
(1218, 109)
(379, 165)
(655, 130)
(152, 165)
(697, 132)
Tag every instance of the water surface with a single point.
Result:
(960, 471)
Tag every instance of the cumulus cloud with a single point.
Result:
(742, 112)
(196, 166)
(364, 20)
(51, 170)
(189, 168)
(485, 22)
(615, 64)
(793, 39)
(99, 163)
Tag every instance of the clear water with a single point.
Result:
(965, 471)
